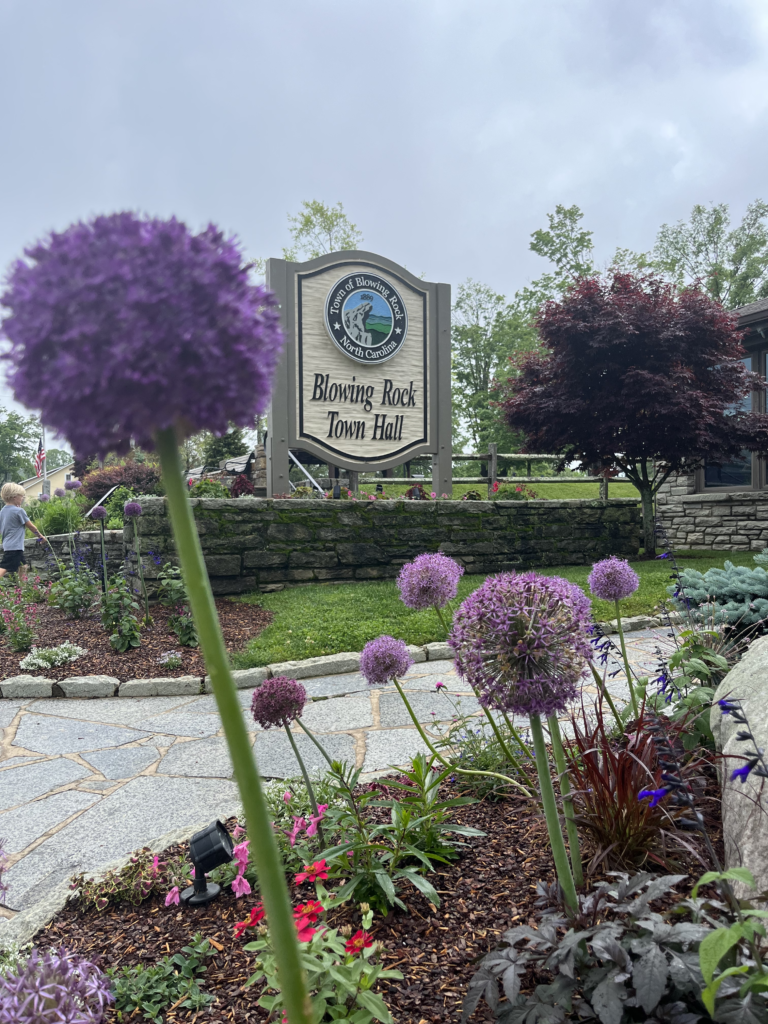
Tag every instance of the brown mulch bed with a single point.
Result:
(239, 623)
(490, 889)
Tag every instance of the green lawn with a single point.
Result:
(551, 491)
(329, 618)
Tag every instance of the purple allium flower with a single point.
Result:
(59, 492)
(277, 701)
(429, 580)
(522, 641)
(54, 988)
(131, 510)
(124, 326)
(384, 659)
(98, 512)
(613, 579)
(656, 795)
(44, 497)
(72, 485)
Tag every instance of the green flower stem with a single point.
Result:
(565, 791)
(316, 742)
(103, 557)
(507, 752)
(307, 780)
(266, 858)
(440, 616)
(518, 737)
(632, 695)
(442, 760)
(559, 853)
(602, 687)
(137, 548)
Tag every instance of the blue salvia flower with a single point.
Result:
(656, 795)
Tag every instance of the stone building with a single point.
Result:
(724, 508)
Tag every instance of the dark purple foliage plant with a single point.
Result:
(55, 987)
(129, 328)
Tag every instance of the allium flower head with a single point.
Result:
(98, 512)
(125, 325)
(59, 492)
(45, 497)
(55, 987)
(72, 485)
(384, 659)
(429, 580)
(277, 701)
(131, 510)
(613, 579)
(523, 642)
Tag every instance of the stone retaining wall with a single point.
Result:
(85, 545)
(252, 543)
(720, 521)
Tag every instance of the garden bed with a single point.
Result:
(240, 623)
(490, 889)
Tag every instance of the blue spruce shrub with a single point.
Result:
(734, 595)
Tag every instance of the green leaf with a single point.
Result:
(733, 874)
(375, 1005)
(715, 946)
(710, 992)
(422, 885)
(386, 885)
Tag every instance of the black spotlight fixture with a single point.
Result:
(208, 849)
(337, 490)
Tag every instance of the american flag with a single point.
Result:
(39, 458)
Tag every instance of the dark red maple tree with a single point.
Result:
(638, 376)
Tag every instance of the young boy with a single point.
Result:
(13, 520)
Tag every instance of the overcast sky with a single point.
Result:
(448, 128)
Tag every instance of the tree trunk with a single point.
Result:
(649, 524)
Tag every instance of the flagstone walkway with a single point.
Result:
(85, 782)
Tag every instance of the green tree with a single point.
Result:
(228, 446)
(19, 437)
(318, 229)
(57, 457)
(730, 264)
(567, 246)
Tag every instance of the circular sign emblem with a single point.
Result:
(366, 318)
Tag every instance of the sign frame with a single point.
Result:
(287, 429)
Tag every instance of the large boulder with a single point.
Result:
(744, 804)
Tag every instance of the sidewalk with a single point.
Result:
(84, 782)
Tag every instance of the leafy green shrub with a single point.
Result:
(114, 506)
(172, 594)
(117, 602)
(51, 657)
(60, 515)
(75, 591)
(172, 981)
(19, 618)
(183, 625)
(209, 489)
(735, 595)
(304, 491)
(473, 495)
(519, 492)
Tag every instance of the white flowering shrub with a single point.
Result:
(52, 657)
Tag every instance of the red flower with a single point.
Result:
(312, 872)
(311, 911)
(305, 930)
(360, 940)
(256, 915)
(495, 486)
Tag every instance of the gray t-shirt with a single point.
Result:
(12, 521)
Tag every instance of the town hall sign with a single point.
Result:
(364, 382)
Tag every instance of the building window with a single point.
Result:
(739, 472)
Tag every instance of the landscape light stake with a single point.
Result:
(565, 791)
(563, 868)
(272, 884)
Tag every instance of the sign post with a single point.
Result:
(365, 379)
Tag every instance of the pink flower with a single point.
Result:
(240, 854)
(287, 797)
(371, 497)
(299, 824)
(172, 897)
(440, 686)
(315, 821)
(240, 886)
(312, 872)
(496, 486)
(433, 495)
(238, 831)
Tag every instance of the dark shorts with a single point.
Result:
(11, 561)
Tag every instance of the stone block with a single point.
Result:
(328, 664)
(27, 686)
(163, 686)
(417, 653)
(313, 559)
(259, 559)
(360, 554)
(744, 803)
(223, 565)
(245, 678)
(439, 652)
(89, 686)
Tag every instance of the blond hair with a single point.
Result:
(10, 491)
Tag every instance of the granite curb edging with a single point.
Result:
(92, 686)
